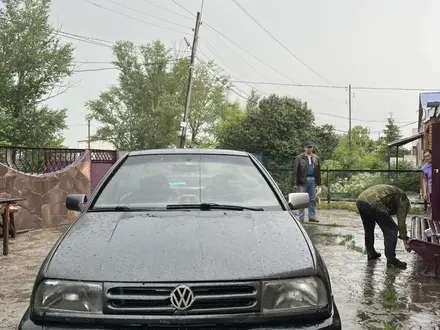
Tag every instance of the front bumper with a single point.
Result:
(331, 323)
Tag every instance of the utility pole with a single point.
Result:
(349, 117)
(88, 134)
(184, 123)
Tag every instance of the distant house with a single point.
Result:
(97, 145)
(424, 115)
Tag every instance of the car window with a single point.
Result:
(160, 180)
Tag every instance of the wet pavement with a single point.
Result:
(18, 271)
(368, 295)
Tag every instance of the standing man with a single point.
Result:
(376, 205)
(307, 178)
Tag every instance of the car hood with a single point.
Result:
(173, 246)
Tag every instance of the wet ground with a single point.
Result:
(368, 295)
(18, 271)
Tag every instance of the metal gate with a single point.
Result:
(101, 162)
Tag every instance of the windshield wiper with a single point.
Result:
(120, 208)
(211, 206)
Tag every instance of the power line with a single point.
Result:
(192, 14)
(146, 14)
(249, 53)
(134, 18)
(214, 51)
(238, 55)
(91, 62)
(218, 78)
(279, 42)
(166, 9)
(95, 69)
(340, 87)
(398, 89)
(116, 68)
(86, 37)
(90, 40)
(213, 30)
(414, 122)
(83, 39)
(360, 120)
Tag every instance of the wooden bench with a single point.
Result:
(426, 246)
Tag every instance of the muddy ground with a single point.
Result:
(368, 295)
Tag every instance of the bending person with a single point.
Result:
(376, 205)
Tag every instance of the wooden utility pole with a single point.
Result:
(88, 134)
(184, 123)
(349, 116)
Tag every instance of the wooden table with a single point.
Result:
(7, 202)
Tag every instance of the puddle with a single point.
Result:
(369, 296)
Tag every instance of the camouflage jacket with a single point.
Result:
(390, 200)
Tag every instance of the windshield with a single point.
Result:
(161, 180)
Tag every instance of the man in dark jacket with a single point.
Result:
(376, 205)
(307, 178)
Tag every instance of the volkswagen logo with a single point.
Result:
(182, 297)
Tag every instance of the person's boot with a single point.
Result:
(373, 256)
(313, 220)
(396, 263)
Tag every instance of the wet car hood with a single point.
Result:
(173, 246)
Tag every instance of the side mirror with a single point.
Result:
(299, 200)
(76, 202)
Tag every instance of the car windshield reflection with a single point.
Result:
(148, 181)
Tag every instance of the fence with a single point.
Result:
(38, 160)
(48, 160)
(344, 185)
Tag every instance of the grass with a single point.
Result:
(337, 206)
(389, 326)
(394, 270)
(358, 249)
(345, 237)
(334, 225)
(389, 299)
(351, 206)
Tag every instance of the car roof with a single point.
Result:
(186, 151)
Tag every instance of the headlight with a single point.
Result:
(294, 294)
(68, 296)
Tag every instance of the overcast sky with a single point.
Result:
(372, 43)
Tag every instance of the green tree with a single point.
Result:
(143, 110)
(275, 129)
(227, 132)
(361, 146)
(326, 140)
(252, 101)
(33, 64)
(207, 99)
(391, 131)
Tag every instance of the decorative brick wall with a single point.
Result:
(45, 204)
